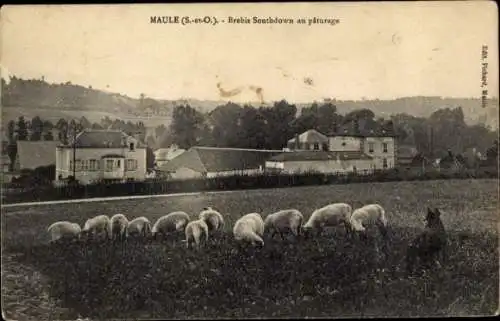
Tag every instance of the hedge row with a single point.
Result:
(267, 180)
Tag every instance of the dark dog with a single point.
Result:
(428, 247)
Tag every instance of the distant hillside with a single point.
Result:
(32, 97)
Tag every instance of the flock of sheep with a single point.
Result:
(249, 228)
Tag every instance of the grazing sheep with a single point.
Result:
(118, 227)
(64, 229)
(213, 218)
(194, 231)
(289, 220)
(249, 228)
(97, 225)
(173, 222)
(430, 244)
(139, 226)
(329, 215)
(369, 214)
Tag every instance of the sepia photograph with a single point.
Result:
(249, 160)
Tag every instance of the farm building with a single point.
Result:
(215, 161)
(164, 155)
(102, 155)
(321, 161)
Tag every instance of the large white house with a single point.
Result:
(101, 155)
(346, 150)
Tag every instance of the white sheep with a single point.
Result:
(139, 226)
(97, 225)
(367, 215)
(64, 229)
(289, 220)
(249, 228)
(118, 226)
(194, 231)
(328, 216)
(172, 222)
(213, 218)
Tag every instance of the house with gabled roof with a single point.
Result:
(101, 155)
(209, 162)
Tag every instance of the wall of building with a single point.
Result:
(374, 146)
(236, 172)
(185, 173)
(64, 156)
(326, 166)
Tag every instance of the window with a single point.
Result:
(316, 146)
(109, 165)
(370, 147)
(384, 146)
(93, 165)
(354, 169)
(385, 163)
(131, 146)
(118, 163)
(131, 164)
(85, 165)
(325, 147)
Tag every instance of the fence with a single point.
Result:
(237, 182)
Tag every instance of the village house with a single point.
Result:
(216, 161)
(347, 149)
(109, 155)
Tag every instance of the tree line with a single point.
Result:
(232, 125)
(237, 126)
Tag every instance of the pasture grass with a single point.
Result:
(328, 276)
(332, 276)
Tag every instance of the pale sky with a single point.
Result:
(378, 50)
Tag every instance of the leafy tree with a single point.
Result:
(12, 153)
(150, 158)
(36, 128)
(252, 129)
(185, 126)
(224, 122)
(22, 129)
(11, 130)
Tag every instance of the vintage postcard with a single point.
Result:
(249, 160)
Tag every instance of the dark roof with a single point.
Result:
(33, 154)
(213, 159)
(319, 156)
(102, 138)
(350, 130)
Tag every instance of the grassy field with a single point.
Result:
(330, 276)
